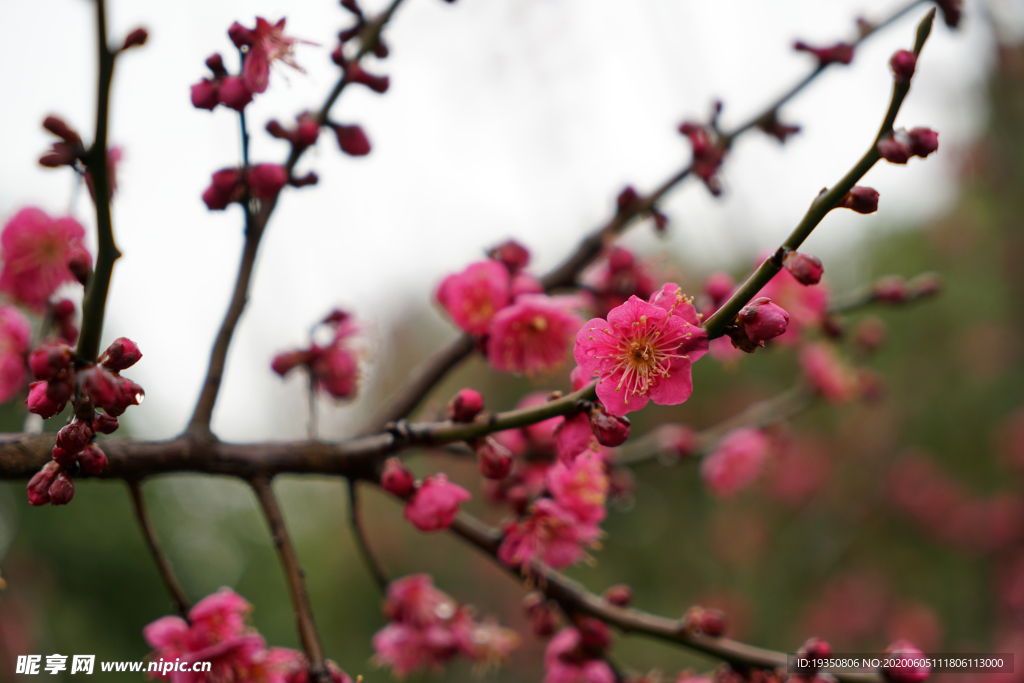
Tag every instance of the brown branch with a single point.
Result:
(565, 275)
(95, 303)
(359, 536)
(199, 424)
(296, 584)
(181, 602)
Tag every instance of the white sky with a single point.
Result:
(505, 117)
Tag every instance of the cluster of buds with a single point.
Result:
(899, 146)
(379, 48)
(229, 185)
(430, 505)
(894, 289)
(710, 622)
(628, 202)
(707, 154)
(63, 315)
(756, 323)
(223, 88)
(840, 53)
(60, 376)
(301, 137)
(334, 368)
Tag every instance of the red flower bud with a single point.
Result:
(49, 360)
(135, 38)
(62, 490)
(63, 458)
(762, 320)
(609, 429)
(514, 255)
(241, 36)
(128, 394)
(278, 131)
(39, 484)
(216, 65)
(58, 127)
(895, 149)
(860, 199)
(712, 623)
(284, 363)
(951, 11)
(620, 595)
(266, 180)
(805, 268)
(813, 649)
(310, 178)
(627, 200)
(925, 284)
(63, 309)
(495, 460)
(104, 424)
(73, 437)
(396, 478)
(100, 386)
(890, 289)
(840, 53)
(780, 131)
(40, 403)
(466, 405)
(660, 220)
(923, 141)
(908, 671)
(354, 73)
(121, 354)
(594, 633)
(233, 94)
(543, 620)
(308, 130)
(352, 140)
(903, 64)
(93, 459)
(225, 188)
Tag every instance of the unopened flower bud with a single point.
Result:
(840, 53)
(62, 490)
(215, 64)
(355, 74)
(780, 131)
(310, 178)
(805, 268)
(92, 459)
(466, 405)
(233, 94)
(923, 141)
(660, 220)
(39, 484)
(495, 460)
(241, 36)
(99, 385)
(925, 285)
(49, 360)
(627, 200)
(620, 595)
(266, 180)
(104, 424)
(518, 498)
(813, 649)
(307, 131)
(74, 436)
(903, 64)
(58, 127)
(284, 363)
(513, 254)
(869, 334)
(762, 320)
(951, 11)
(911, 671)
(278, 131)
(594, 633)
(860, 199)
(40, 403)
(891, 289)
(121, 354)
(712, 623)
(80, 265)
(63, 458)
(128, 394)
(396, 478)
(719, 286)
(204, 95)
(543, 620)
(135, 38)
(894, 148)
(609, 429)
(352, 140)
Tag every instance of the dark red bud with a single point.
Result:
(215, 64)
(73, 437)
(627, 199)
(39, 485)
(813, 649)
(62, 490)
(495, 460)
(660, 220)
(951, 11)
(233, 94)
(762, 320)
(121, 354)
(513, 254)
(890, 289)
(923, 141)
(620, 595)
(135, 38)
(396, 478)
(712, 623)
(92, 459)
(355, 74)
(278, 131)
(543, 620)
(65, 308)
(40, 403)
(518, 498)
(352, 140)
(805, 268)
(241, 36)
(104, 424)
(860, 199)
(352, 6)
(204, 95)
(307, 131)
(466, 405)
(594, 633)
(895, 149)
(610, 430)
(903, 64)
(310, 178)
(58, 127)
(266, 180)
(49, 360)
(63, 458)
(840, 53)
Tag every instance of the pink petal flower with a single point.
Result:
(269, 45)
(551, 534)
(435, 503)
(36, 252)
(566, 661)
(532, 335)
(580, 487)
(829, 375)
(736, 463)
(473, 296)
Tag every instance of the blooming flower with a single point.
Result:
(333, 369)
(533, 334)
(473, 296)
(567, 661)
(736, 463)
(643, 351)
(267, 44)
(435, 503)
(37, 253)
(580, 487)
(550, 533)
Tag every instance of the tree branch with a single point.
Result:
(296, 585)
(565, 275)
(181, 602)
(822, 204)
(359, 535)
(96, 162)
(199, 424)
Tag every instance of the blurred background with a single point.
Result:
(525, 118)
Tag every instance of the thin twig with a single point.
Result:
(355, 520)
(296, 584)
(181, 602)
(565, 274)
(199, 424)
(95, 303)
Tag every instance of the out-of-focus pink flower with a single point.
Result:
(798, 471)
(806, 306)
(474, 296)
(267, 44)
(567, 661)
(707, 154)
(37, 251)
(333, 369)
(580, 487)
(551, 534)
(643, 351)
(435, 503)
(14, 339)
(736, 463)
(282, 665)
(835, 380)
(533, 334)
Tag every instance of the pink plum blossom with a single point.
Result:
(806, 306)
(435, 503)
(533, 334)
(37, 251)
(580, 487)
(267, 44)
(475, 295)
(643, 351)
(835, 380)
(551, 534)
(567, 661)
(736, 463)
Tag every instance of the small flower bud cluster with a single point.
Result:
(223, 88)
(60, 375)
(840, 53)
(334, 368)
(707, 154)
(302, 136)
(618, 275)
(379, 48)
(230, 185)
(899, 146)
(894, 289)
